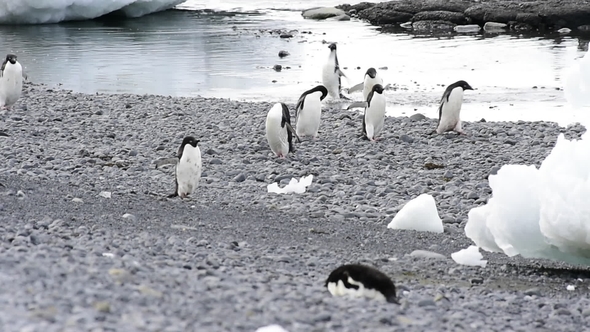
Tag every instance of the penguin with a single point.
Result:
(331, 74)
(450, 107)
(374, 113)
(188, 168)
(308, 111)
(371, 78)
(358, 280)
(11, 81)
(279, 132)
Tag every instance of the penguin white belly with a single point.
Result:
(451, 109)
(331, 78)
(339, 289)
(11, 84)
(374, 116)
(275, 134)
(308, 118)
(188, 170)
(368, 85)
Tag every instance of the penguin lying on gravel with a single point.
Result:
(331, 74)
(188, 169)
(361, 281)
(11, 81)
(308, 111)
(279, 132)
(450, 107)
(374, 113)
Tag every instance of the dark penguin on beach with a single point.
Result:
(308, 111)
(358, 280)
(331, 74)
(450, 107)
(374, 113)
(188, 169)
(279, 132)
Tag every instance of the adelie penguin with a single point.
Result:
(279, 132)
(358, 280)
(450, 108)
(331, 74)
(11, 81)
(188, 168)
(374, 113)
(371, 78)
(308, 111)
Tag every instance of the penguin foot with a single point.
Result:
(173, 195)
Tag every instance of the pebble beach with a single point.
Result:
(89, 240)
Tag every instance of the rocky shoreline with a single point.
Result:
(89, 240)
(507, 15)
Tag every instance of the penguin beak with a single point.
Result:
(468, 87)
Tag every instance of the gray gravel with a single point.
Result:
(235, 258)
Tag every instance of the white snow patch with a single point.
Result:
(77, 200)
(470, 256)
(105, 194)
(271, 328)
(294, 186)
(108, 254)
(577, 83)
(570, 288)
(539, 213)
(419, 214)
(53, 11)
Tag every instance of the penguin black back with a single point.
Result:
(368, 276)
(301, 101)
(286, 121)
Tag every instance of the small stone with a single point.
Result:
(77, 200)
(417, 117)
(105, 194)
(426, 303)
(448, 174)
(102, 306)
(283, 54)
(239, 178)
(563, 312)
(477, 281)
(286, 35)
(532, 291)
(277, 67)
(20, 194)
(129, 216)
(215, 161)
(494, 170)
(132, 153)
(406, 138)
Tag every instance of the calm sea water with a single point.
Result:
(187, 52)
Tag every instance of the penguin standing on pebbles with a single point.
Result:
(374, 113)
(188, 169)
(357, 280)
(308, 111)
(11, 81)
(279, 132)
(450, 107)
(331, 74)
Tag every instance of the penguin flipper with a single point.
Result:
(357, 104)
(293, 132)
(340, 72)
(358, 87)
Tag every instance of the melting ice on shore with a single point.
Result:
(271, 328)
(294, 186)
(577, 83)
(539, 213)
(53, 11)
(419, 214)
(469, 256)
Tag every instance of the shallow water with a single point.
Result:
(189, 53)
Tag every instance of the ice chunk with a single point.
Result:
(53, 11)
(271, 328)
(419, 214)
(494, 26)
(577, 83)
(294, 186)
(539, 213)
(105, 194)
(570, 288)
(467, 28)
(470, 256)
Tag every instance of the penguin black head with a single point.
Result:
(371, 72)
(463, 84)
(11, 58)
(332, 47)
(321, 89)
(352, 276)
(378, 88)
(187, 140)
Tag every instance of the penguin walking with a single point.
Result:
(371, 78)
(358, 280)
(450, 107)
(11, 81)
(308, 111)
(279, 132)
(331, 74)
(188, 168)
(374, 113)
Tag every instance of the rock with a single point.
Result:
(406, 138)
(105, 194)
(532, 291)
(494, 26)
(564, 30)
(341, 18)
(322, 13)
(283, 54)
(426, 303)
(277, 68)
(467, 28)
(441, 15)
(584, 28)
(417, 117)
(430, 26)
(285, 35)
(239, 178)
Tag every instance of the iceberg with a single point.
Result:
(539, 213)
(419, 214)
(54, 11)
(469, 256)
(294, 186)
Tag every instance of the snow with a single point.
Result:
(53, 11)
(419, 214)
(570, 288)
(470, 256)
(271, 328)
(539, 213)
(577, 83)
(294, 186)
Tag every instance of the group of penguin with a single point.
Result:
(308, 110)
(354, 280)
